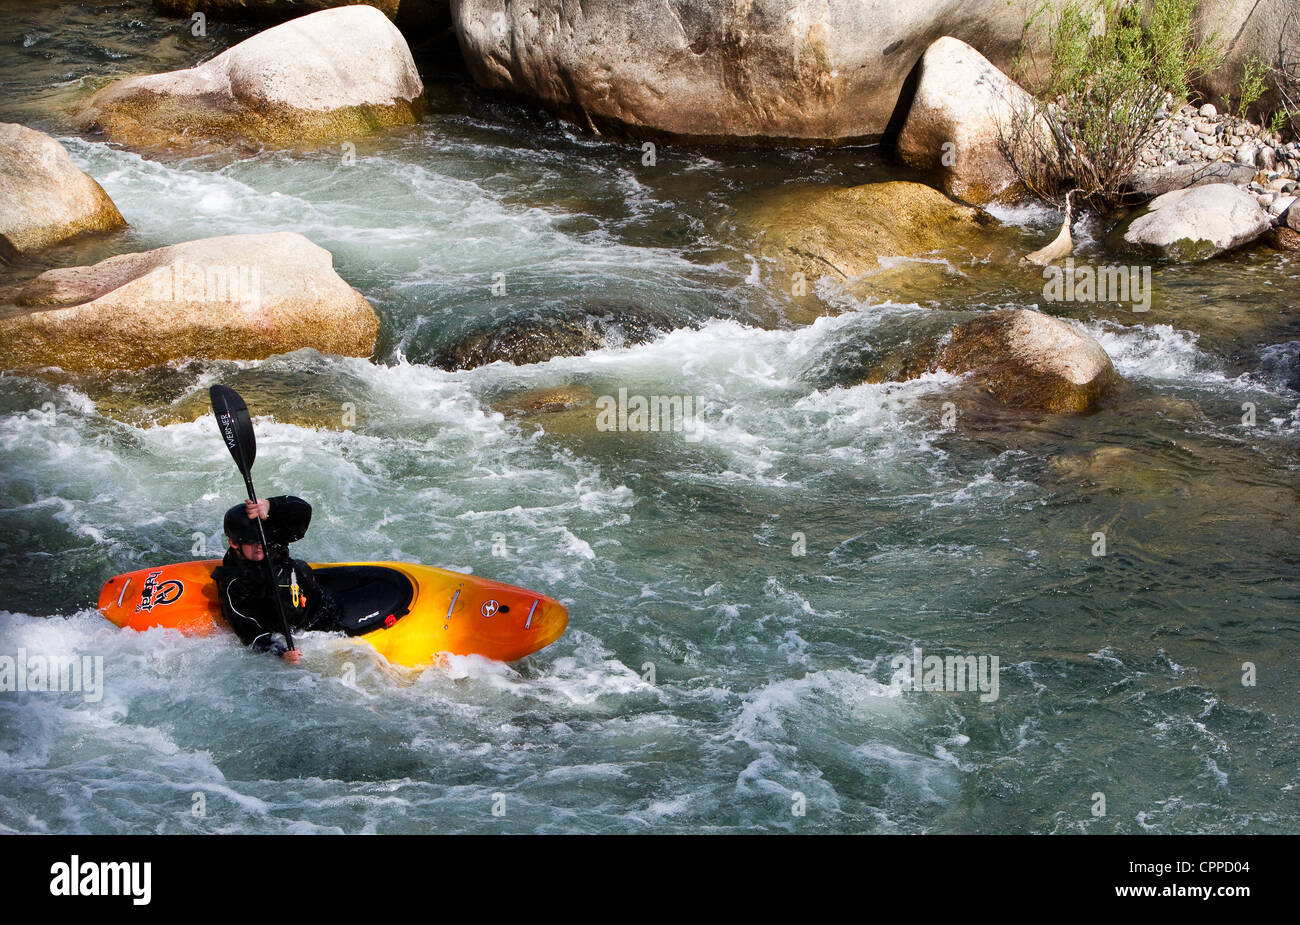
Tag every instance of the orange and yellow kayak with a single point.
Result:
(409, 613)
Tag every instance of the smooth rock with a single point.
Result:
(239, 297)
(327, 77)
(1208, 111)
(963, 107)
(1026, 359)
(751, 72)
(1198, 223)
(44, 197)
(1281, 204)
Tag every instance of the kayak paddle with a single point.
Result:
(237, 430)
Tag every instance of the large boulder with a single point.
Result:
(752, 72)
(1263, 30)
(1031, 361)
(239, 297)
(1197, 223)
(964, 108)
(326, 77)
(44, 197)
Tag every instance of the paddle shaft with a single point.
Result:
(232, 419)
(266, 557)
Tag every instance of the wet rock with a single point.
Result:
(288, 389)
(538, 338)
(1197, 223)
(851, 233)
(568, 410)
(963, 107)
(330, 76)
(1031, 361)
(235, 297)
(763, 71)
(44, 197)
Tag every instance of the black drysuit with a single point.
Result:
(244, 587)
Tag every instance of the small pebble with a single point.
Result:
(1208, 111)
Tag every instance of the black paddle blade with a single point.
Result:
(236, 426)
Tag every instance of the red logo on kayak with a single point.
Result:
(489, 608)
(156, 594)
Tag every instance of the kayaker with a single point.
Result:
(243, 585)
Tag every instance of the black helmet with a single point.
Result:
(240, 527)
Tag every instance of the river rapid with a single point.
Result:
(742, 598)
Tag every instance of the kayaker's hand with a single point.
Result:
(258, 510)
(293, 656)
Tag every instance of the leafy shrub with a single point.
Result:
(1112, 67)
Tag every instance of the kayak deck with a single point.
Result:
(409, 613)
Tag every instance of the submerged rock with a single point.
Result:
(568, 410)
(326, 77)
(1104, 463)
(963, 108)
(537, 339)
(1031, 361)
(44, 197)
(844, 232)
(763, 71)
(240, 297)
(1197, 223)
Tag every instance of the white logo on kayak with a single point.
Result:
(489, 608)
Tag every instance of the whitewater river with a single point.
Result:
(737, 601)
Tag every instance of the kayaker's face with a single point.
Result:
(250, 551)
